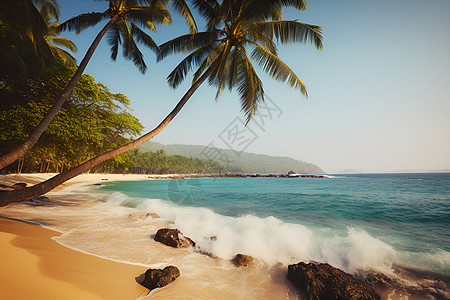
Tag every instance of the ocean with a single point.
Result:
(359, 223)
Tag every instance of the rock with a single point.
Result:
(322, 281)
(19, 185)
(173, 238)
(156, 278)
(242, 260)
(97, 184)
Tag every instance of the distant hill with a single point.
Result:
(244, 163)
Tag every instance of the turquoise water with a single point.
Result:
(353, 221)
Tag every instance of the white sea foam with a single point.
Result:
(270, 239)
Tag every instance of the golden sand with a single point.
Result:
(33, 266)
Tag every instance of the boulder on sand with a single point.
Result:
(156, 278)
(242, 260)
(322, 281)
(173, 238)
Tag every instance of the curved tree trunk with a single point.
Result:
(33, 137)
(7, 197)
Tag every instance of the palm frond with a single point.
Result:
(83, 21)
(212, 57)
(143, 38)
(114, 40)
(48, 7)
(182, 8)
(130, 49)
(278, 69)
(234, 65)
(291, 31)
(210, 11)
(148, 16)
(249, 87)
(64, 55)
(60, 41)
(179, 73)
(222, 69)
(186, 43)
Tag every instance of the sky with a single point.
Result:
(379, 98)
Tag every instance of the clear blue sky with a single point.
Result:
(379, 96)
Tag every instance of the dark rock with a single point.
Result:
(97, 184)
(242, 260)
(19, 185)
(324, 282)
(156, 278)
(173, 238)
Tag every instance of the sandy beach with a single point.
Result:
(36, 267)
(33, 266)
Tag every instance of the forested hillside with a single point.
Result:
(245, 163)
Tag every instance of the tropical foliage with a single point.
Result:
(55, 42)
(92, 121)
(158, 162)
(24, 52)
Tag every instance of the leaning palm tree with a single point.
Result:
(125, 19)
(233, 28)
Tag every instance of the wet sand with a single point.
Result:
(33, 266)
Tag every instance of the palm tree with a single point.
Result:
(233, 27)
(125, 18)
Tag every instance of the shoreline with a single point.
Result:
(195, 266)
(38, 267)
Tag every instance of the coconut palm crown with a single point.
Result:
(239, 32)
(126, 17)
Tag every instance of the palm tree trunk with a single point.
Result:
(33, 137)
(7, 197)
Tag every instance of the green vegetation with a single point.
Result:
(92, 121)
(158, 162)
(244, 163)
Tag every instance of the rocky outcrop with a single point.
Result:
(173, 238)
(324, 282)
(156, 278)
(242, 260)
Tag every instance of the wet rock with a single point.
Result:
(19, 185)
(173, 238)
(242, 260)
(323, 282)
(156, 278)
